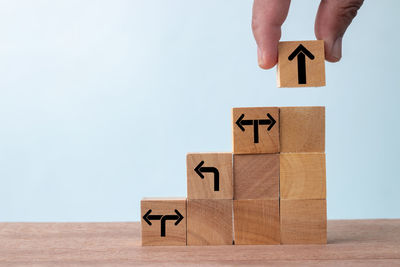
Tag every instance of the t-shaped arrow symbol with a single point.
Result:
(148, 218)
(241, 122)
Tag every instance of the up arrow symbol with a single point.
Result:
(301, 52)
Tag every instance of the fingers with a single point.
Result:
(333, 18)
(268, 17)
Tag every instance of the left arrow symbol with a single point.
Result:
(148, 218)
(200, 169)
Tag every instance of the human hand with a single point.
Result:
(333, 18)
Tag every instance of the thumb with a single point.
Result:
(333, 18)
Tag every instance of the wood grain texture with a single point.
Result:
(287, 70)
(256, 176)
(302, 129)
(175, 235)
(303, 221)
(243, 141)
(209, 222)
(302, 176)
(256, 222)
(350, 243)
(198, 188)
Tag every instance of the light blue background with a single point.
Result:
(101, 100)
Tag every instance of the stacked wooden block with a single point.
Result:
(303, 175)
(270, 190)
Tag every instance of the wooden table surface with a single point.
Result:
(350, 243)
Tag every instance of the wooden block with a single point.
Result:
(303, 221)
(256, 222)
(301, 64)
(302, 129)
(256, 176)
(209, 176)
(209, 222)
(163, 221)
(255, 130)
(302, 176)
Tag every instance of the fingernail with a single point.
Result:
(336, 51)
(260, 57)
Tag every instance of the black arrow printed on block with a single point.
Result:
(301, 52)
(147, 217)
(200, 169)
(270, 121)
